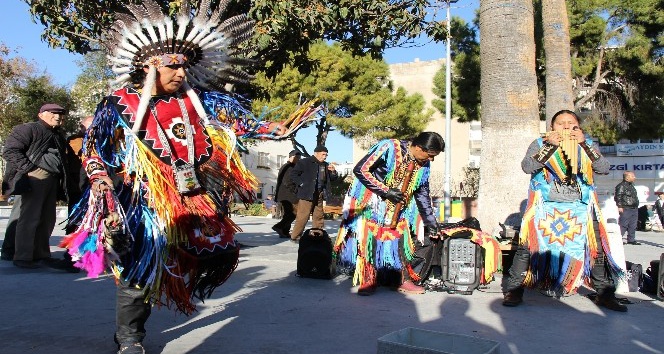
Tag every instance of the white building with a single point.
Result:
(264, 160)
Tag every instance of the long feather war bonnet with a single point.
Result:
(202, 43)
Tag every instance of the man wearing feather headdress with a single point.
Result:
(387, 206)
(163, 165)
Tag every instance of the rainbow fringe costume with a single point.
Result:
(365, 244)
(560, 235)
(182, 245)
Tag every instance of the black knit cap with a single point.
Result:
(294, 153)
(320, 148)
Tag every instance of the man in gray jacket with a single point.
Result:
(628, 204)
(37, 171)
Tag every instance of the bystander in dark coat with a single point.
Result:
(627, 200)
(286, 195)
(37, 170)
(312, 177)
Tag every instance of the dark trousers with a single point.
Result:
(37, 218)
(602, 282)
(131, 313)
(628, 220)
(9, 243)
(288, 217)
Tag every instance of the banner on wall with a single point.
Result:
(642, 149)
(649, 172)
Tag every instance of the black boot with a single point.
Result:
(610, 302)
(513, 298)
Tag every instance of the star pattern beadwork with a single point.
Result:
(560, 226)
(177, 131)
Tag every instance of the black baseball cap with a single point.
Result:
(294, 153)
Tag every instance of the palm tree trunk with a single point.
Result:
(558, 61)
(509, 107)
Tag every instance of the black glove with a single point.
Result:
(394, 195)
(431, 232)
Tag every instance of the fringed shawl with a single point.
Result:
(560, 235)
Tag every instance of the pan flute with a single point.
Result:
(569, 146)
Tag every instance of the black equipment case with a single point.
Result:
(314, 255)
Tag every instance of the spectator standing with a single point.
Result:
(393, 173)
(659, 208)
(286, 195)
(37, 170)
(9, 243)
(312, 177)
(270, 205)
(562, 240)
(627, 201)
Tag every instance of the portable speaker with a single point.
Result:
(461, 265)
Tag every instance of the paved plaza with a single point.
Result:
(265, 308)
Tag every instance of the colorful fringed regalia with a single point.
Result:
(367, 246)
(182, 241)
(560, 235)
(171, 152)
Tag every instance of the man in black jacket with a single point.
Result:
(37, 170)
(286, 195)
(312, 176)
(628, 203)
(659, 207)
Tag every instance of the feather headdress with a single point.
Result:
(204, 44)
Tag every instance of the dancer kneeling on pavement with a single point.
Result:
(563, 240)
(375, 245)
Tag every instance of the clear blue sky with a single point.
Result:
(18, 32)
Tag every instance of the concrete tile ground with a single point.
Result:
(265, 308)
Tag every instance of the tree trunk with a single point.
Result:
(558, 61)
(510, 119)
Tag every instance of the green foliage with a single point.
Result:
(617, 49)
(358, 84)
(282, 27)
(255, 209)
(466, 74)
(92, 84)
(600, 128)
(30, 97)
(14, 71)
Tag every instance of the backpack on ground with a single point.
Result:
(634, 276)
(314, 255)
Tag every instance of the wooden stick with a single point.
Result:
(404, 189)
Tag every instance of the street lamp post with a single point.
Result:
(448, 113)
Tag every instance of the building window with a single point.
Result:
(281, 160)
(263, 160)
